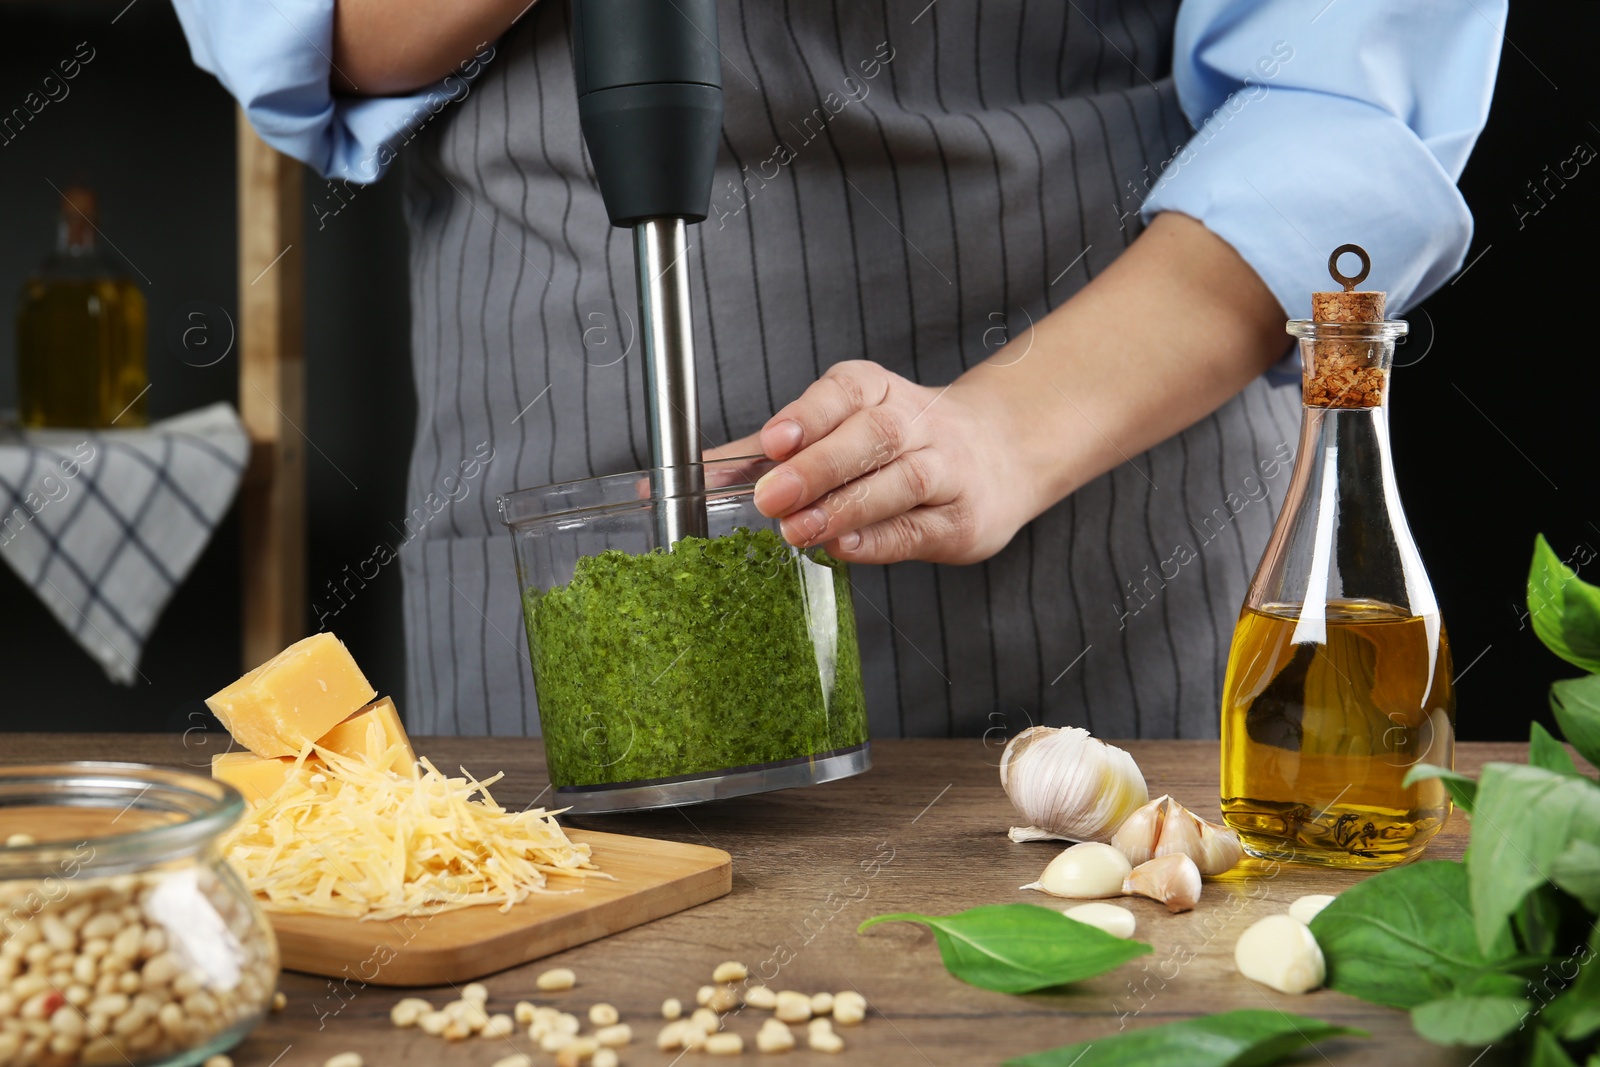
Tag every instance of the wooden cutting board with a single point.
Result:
(653, 879)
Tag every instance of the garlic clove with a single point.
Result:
(1220, 848)
(1279, 951)
(1180, 835)
(1136, 837)
(1069, 785)
(1306, 908)
(1163, 827)
(1086, 870)
(1114, 919)
(1174, 880)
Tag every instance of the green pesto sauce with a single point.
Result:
(720, 653)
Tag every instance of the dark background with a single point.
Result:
(1493, 436)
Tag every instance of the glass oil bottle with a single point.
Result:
(1339, 676)
(80, 333)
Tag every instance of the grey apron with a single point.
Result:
(904, 182)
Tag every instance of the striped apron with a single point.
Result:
(900, 181)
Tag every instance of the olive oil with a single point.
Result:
(1318, 733)
(81, 326)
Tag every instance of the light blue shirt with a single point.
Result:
(1320, 122)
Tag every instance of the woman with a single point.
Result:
(1024, 264)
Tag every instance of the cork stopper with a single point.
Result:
(78, 215)
(1346, 374)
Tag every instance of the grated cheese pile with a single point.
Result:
(360, 838)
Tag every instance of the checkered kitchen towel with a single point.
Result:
(104, 524)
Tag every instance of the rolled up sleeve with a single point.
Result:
(1318, 129)
(275, 58)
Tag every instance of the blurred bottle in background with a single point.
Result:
(80, 332)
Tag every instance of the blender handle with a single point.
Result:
(649, 77)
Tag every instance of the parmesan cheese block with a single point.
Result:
(294, 698)
(354, 736)
(259, 778)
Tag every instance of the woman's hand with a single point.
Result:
(881, 469)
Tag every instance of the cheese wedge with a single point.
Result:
(259, 778)
(294, 698)
(353, 737)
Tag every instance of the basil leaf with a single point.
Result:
(1524, 820)
(1469, 1020)
(1538, 920)
(1493, 984)
(1463, 790)
(1577, 870)
(1405, 936)
(1230, 1039)
(1576, 703)
(1547, 1051)
(1020, 948)
(1565, 609)
(1545, 751)
(1575, 1014)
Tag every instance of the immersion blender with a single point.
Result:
(650, 102)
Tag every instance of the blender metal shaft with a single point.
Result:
(672, 412)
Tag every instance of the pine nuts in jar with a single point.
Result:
(124, 936)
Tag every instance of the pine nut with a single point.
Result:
(614, 1036)
(218, 1060)
(723, 999)
(792, 1007)
(731, 971)
(519, 1060)
(523, 1013)
(759, 996)
(671, 1008)
(498, 1026)
(408, 1011)
(821, 1003)
(343, 1059)
(724, 1044)
(476, 992)
(280, 1000)
(602, 1014)
(555, 980)
(774, 1037)
(849, 1008)
(606, 1057)
(670, 1036)
(702, 996)
(706, 1020)
(825, 1041)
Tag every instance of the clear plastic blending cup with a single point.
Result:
(722, 666)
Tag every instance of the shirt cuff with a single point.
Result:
(1287, 175)
(275, 59)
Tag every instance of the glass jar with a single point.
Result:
(1339, 677)
(125, 938)
(722, 666)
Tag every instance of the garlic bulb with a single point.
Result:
(1164, 827)
(1069, 786)
(1173, 879)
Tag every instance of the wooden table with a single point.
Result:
(923, 831)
